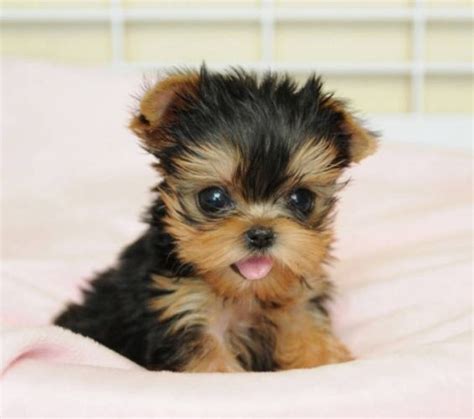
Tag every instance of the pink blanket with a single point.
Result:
(76, 182)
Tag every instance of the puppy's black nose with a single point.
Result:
(260, 237)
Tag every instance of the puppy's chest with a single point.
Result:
(229, 322)
(243, 331)
(193, 303)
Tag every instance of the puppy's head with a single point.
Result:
(250, 170)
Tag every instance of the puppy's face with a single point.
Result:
(250, 171)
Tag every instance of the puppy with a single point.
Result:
(229, 275)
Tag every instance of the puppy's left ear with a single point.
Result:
(362, 142)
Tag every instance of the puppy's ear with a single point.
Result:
(362, 142)
(159, 107)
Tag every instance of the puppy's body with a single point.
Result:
(163, 320)
(229, 275)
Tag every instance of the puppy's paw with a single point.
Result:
(214, 358)
(337, 352)
(312, 351)
(214, 365)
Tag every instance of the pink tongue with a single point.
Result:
(255, 267)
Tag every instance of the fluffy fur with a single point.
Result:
(175, 300)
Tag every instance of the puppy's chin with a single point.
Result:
(256, 277)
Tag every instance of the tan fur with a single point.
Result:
(303, 338)
(362, 142)
(214, 357)
(155, 105)
(298, 254)
(189, 298)
(304, 343)
(312, 163)
(225, 323)
(216, 163)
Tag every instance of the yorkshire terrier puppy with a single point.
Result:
(229, 275)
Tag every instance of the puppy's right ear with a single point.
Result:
(159, 107)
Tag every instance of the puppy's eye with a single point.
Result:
(301, 200)
(214, 199)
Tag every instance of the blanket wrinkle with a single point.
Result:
(55, 344)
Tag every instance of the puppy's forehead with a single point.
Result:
(257, 170)
(263, 167)
(282, 165)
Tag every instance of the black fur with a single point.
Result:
(265, 119)
(116, 312)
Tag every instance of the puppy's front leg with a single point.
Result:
(306, 341)
(213, 356)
